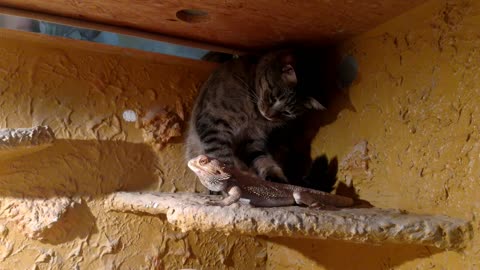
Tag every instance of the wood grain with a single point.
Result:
(242, 24)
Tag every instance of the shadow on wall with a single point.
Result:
(79, 168)
(325, 253)
(325, 75)
(71, 168)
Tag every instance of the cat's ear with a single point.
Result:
(313, 104)
(289, 76)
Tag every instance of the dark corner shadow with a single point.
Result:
(79, 168)
(325, 253)
(78, 222)
(324, 170)
(291, 145)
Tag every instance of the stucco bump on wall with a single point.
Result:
(160, 124)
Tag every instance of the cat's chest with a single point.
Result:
(247, 119)
(254, 129)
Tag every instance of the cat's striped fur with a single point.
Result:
(239, 105)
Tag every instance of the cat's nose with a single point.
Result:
(270, 113)
(267, 114)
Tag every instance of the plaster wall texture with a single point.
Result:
(51, 207)
(416, 104)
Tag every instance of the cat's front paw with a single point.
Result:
(274, 174)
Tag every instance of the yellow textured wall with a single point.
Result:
(80, 92)
(416, 102)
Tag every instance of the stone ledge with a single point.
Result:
(34, 217)
(361, 225)
(19, 141)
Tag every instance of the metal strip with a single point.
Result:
(109, 38)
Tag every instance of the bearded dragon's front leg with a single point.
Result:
(234, 194)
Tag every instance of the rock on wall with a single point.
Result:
(416, 104)
(51, 207)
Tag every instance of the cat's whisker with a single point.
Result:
(248, 89)
(252, 96)
(252, 99)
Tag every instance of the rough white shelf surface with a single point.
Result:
(34, 217)
(11, 138)
(20, 141)
(361, 225)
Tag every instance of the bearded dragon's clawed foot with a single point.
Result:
(215, 203)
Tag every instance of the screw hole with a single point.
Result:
(192, 15)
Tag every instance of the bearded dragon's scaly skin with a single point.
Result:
(240, 184)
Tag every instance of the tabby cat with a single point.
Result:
(238, 107)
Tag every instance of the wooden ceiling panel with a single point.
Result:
(243, 24)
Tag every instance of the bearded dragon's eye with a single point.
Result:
(218, 172)
(203, 160)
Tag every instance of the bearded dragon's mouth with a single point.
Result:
(193, 166)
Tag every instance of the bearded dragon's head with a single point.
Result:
(211, 172)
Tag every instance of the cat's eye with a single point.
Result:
(287, 69)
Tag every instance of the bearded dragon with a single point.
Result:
(238, 184)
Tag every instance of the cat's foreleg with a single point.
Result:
(262, 162)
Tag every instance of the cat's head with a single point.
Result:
(275, 83)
